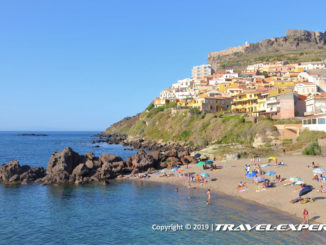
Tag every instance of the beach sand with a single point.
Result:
(278, 197)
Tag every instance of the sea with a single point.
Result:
(123, 212)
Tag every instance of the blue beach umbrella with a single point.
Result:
(174, 169)
(270, 173)
(305, 190)
(209, 162)
(204, 174)
(251, 174)
(197, 155)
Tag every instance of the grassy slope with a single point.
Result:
(239, 61)
(194, 128)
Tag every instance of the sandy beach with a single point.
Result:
(278, 197)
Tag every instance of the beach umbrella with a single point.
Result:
(163, 171)
(200, 163)
(305, 190)
(197, 155)
(318, 171)
(294, 179)
(265, 165)
(272, 159)
(180, 170)
(251, 174)
(174, 169)
(259, 179)
(209, 162)
(270, 173)
(204, 174)
(300, 182)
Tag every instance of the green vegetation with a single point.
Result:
(312, 149)
(194, 127)
(239, 61)
(305, 137)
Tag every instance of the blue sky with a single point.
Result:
(82, 65)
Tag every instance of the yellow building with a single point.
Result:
(251, 102)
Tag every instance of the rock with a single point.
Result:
(13, 172)
(90, 155)
(171, 153)
(61, 165)
(89, 164)
(79, 171)
(156, 155)
(172, 162)
(142, 161)
(104, 158)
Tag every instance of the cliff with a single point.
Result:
(297, 45)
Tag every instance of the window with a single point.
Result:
(314, 121)
(309, 121)
(304, 121)
(321, 120)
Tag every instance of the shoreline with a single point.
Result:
(276, 198)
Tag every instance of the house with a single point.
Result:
(313, 65)
(285, 105)
(316, 122)
(249, 102)
(216, 104)
(316, 104)
(305, 88)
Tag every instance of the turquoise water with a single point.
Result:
(122, 212)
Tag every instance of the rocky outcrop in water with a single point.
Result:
(13, 173)
(68, 166)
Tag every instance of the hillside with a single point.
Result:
(296, 46)
(200, 129)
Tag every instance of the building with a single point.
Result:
(305, 88)
(313, 65)
(249, 102)
(216, 104)
(316, 104)
(317, 122)
(285, 105)
(202, 71)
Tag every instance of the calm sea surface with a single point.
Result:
(122, 212)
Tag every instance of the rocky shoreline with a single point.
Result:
(68, 166)
(140, 143)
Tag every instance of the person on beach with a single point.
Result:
(305, 216)
(197, 178)
(208, 196)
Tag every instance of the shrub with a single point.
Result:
(312, 149)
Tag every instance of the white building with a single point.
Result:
(305, 88)
(317, 123)
(167, 94)
(312, 78)
(183, 84)
(184, 95)
(313, 65)
(316, 104)
(202, 71)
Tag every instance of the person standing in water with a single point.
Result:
(305, 216)
(208, 196)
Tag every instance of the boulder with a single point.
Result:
(61, 165)
(109, 158)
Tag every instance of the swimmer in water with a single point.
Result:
(208, 196)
